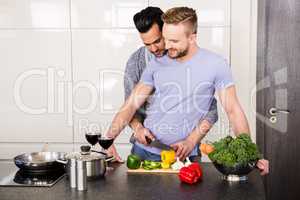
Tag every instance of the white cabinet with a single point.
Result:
(34, 14)
(33, 62)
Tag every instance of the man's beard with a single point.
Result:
(179, 54)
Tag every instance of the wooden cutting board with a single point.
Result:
(154, 171)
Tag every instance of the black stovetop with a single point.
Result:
(10, 175)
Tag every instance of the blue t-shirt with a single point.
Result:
(183, 94)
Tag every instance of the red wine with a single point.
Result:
(92, 139)
(105, 142)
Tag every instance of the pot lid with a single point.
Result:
(85, 157)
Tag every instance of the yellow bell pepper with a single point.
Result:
(168, 157)
(165, 165)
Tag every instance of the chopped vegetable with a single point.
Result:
(229, 151)
(150, 165)
(133, 161)
(177, 165)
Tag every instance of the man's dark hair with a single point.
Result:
(144, 19)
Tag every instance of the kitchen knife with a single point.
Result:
(153, 143)
(158, 144)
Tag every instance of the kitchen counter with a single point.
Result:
(119, 185)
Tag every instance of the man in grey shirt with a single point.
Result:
(149, 24)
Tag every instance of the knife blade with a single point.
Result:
(153, 143)
(160, 145)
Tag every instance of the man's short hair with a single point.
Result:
(179, 15)
(144, 19)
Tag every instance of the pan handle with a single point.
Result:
(110, 158)
(62, 161)
(103, 153)
(107, 159)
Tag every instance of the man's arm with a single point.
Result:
(131, 78)
(205, 125)
(138, 97)
(212, 115)
(135, 66)
(234, 111)
(133, 71)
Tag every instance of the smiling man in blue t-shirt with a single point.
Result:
(184, 83)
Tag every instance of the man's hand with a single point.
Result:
(112, 151)
(141, 133)
(263, 166)
(183, 148)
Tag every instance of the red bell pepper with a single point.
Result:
(190, 174)
(187, 175)
(197, 168)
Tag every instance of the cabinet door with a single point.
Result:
(35, 64)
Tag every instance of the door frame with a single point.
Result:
(261, 73)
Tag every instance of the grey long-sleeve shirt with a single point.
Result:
(135, 66)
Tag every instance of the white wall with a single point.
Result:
(62, 63)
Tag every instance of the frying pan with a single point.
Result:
(38, 162)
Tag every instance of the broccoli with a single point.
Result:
(232, 151)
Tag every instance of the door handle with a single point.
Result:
(273, 111)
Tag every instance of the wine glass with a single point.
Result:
(92, 138)
(105, 142)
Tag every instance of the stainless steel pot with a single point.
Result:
(95, 163)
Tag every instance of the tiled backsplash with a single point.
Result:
(62, 64)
